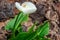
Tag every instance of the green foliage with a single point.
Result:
(43, 29)
(18, 34)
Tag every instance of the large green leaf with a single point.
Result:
(10, 24)
(25, 36)
(22, 36)
(31, 36)
(43, 29)
(20, 19)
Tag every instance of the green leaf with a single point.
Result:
(21, 36)
(18, 19)
(31, 36)
(40, 31)
(21, 19)
(19, 16)
(25, 36)
(43, 29)
(10, 24)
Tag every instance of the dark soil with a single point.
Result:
(46, 10)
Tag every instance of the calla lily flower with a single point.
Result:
(26, 7)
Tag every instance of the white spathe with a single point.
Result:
(26, 7)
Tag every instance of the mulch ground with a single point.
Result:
(46, 10)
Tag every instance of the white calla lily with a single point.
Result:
(26, 7)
